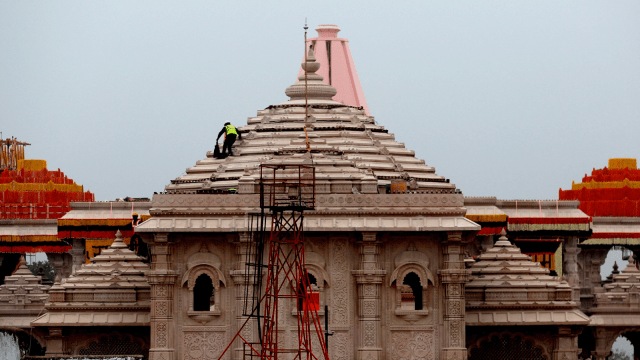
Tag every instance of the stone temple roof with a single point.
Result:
(111, 290)
(22, 297)
(617, 302)
(346, 145)
(506, 287)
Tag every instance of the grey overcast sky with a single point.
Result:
(513, 99)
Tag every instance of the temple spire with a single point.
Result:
(337, 66)
(316, 88)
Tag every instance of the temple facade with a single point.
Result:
(387, 247)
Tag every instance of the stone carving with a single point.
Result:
(161, 334)
(161, 291)
(411, 345)
(455, 333)
(369, 307)
(370, 334)
(203, 345)
(339, 275)
(368, 290)
(340, 346)
(454, 307)
(161, 308)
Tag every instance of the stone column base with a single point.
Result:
(454, 354)
(369, 354)
(161, 354)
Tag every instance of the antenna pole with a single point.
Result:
(306, 96)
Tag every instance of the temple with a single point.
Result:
(397, 262)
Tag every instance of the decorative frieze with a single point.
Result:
(412, 345)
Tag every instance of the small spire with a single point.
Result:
(118, 243)
(503, 240)
(316, 88)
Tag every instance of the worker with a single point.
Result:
(230, 133)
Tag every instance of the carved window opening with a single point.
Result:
(203, 294)
(415, 296)
(313, 295)
(204, 297)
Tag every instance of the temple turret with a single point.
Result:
(337, 67)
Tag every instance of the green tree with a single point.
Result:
(44, 269)
(619, 355)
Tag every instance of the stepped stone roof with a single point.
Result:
(364, 180)
(346, 145)
(22, 297)
(507, 288)
(617, 302)
(111, 290)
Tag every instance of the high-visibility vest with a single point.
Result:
(230, 129)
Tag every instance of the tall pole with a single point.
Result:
(306, 92)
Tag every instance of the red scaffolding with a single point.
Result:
(286, 192)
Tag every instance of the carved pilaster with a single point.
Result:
(591, 260)
(55, 342)
(162, 280)
(453, 277)
(570, 266)
(603, 338)
(61, 263)
(77, 254)
(566, 346)
(369, 280)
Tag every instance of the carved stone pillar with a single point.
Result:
(604, 339)
(591, 260)
(77, 254)
(55, 342)
(566, 346)
(453, 277)
(62, 265)
(162, 280)
(243, 292)
(570, 266)
(369, 280)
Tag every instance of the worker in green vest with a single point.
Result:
(230, 133)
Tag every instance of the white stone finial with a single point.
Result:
(503, 240)
(118, 243)
(310, 84)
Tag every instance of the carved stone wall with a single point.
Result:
(341, 319)
(412, 345)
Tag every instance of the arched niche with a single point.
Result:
(413, 282)
(203, 279)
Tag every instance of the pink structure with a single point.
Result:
(337, 67)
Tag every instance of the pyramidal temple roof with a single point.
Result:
(504, 281)
(346, 145)
(112, 290)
